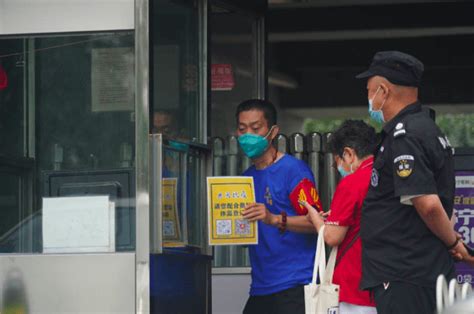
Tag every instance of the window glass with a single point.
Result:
(233, 79)
(175, 63)
(175, 114)
(68, 140)
(233, 68)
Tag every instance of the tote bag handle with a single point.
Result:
(326, 272)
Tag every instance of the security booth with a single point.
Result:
(74, 192)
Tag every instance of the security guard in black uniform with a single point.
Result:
(405, 227)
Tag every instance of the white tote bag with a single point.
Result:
(322, 298)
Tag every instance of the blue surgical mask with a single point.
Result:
(254, 145)
(376, 115)
(342, 171)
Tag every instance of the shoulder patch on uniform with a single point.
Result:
(399, 133)
(404, 165)
(443, 142)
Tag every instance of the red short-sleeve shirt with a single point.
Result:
(346, 208)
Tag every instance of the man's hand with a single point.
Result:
(460, 254)
(258, 211)
(457, 255)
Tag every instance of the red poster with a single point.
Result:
(222, 77)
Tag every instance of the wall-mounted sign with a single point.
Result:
(464, 209)
(226, 199)
(222, 77)
(112, 79)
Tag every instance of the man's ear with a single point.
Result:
(275, 131)
(384, 88)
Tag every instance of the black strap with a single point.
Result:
(347, 248)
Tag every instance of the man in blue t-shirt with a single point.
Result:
(282, 262)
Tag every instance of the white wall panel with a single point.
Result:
(53, 16)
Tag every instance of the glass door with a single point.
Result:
(180, 260)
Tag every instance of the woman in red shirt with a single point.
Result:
(352, 145)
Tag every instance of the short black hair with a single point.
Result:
(268, 109)
(355, 134)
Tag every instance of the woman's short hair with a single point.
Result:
(355, 134)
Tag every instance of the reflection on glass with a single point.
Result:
(70, 107)
(10, 213)
(12, 100)
(182, 213)
(174, 209)
(196, 177)
(171, 213)
(175, 60)
(233, 69)
(234, 79)
(85, 101)
(175, 115)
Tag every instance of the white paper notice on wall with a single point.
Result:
(112, 79)
(78, 224)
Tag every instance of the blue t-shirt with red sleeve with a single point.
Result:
(282, 260)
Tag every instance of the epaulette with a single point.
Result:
(399, 130)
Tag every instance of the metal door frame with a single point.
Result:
(142, 151)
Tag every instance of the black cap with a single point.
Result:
(397, 67)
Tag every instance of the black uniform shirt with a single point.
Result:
(414, 158)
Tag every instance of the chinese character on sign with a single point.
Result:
(457, 199)
(465, 214)
(222, 77)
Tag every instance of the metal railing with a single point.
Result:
(448, 295)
